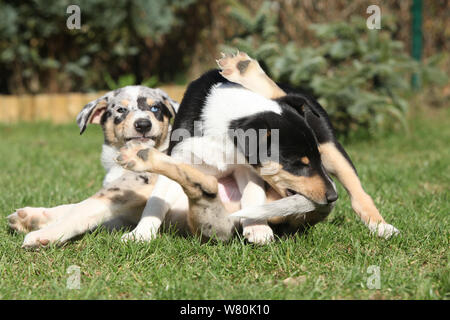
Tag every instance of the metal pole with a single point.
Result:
(416, 46)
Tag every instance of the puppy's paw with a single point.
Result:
(28, 219)
(258, 234)
(235, 68)
(136, 157)
(384, 230)
(36, 239)
(140, 235)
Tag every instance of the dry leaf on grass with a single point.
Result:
(294, 281)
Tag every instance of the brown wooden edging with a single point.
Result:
(57, 108)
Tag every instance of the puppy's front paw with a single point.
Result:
(140, 235)
(136, 158)
(258, 234)
(35, 240)
(384, 230)
(28, 219)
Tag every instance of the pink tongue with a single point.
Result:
(228, 190)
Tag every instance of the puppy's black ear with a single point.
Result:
(92, 113)
(299, 103)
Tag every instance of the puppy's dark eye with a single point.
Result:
(154, 108)
(121, 110)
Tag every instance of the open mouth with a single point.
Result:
(290, 192)
(140, 139)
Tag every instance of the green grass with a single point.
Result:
(407, 175)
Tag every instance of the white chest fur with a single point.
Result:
(113, 170)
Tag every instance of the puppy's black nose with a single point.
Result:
(142, 125)
(331, 195)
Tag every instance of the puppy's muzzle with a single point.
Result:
(143, 125)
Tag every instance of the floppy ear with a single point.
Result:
(300, 104)
(92, 113)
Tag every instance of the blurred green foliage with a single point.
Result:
(39, 53)
(360, 76)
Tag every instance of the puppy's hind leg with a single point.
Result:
(118, 199)
(207, 215)
(29, 218)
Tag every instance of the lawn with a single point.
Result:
(406, 173)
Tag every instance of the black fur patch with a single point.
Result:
(242, 66)
(296, 140)
(142, 103)
(162, 111)
(315, 116)
(143, 154)
(144, 178)
(191, 106)
(121, 117)
(105, 117)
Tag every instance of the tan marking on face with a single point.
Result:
(119, 129)
(335, 163)
(313, 187)
(108, 131)
(164, 131)
(305, 160)
(159, 130)
(150, 101)
(125, 102)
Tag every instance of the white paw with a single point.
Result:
(384, 230)
(28, 219)
(140, 235)
(36, 239)
(258, 234)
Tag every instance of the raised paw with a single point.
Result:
(235, 68)
(136, 158)
(28, 219)
(258, 234)
(384, 230)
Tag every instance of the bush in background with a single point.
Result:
(360, 76)
(132, 39)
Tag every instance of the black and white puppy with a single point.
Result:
(209, 153)
(132, 113)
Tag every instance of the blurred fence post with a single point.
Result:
(416, 47)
